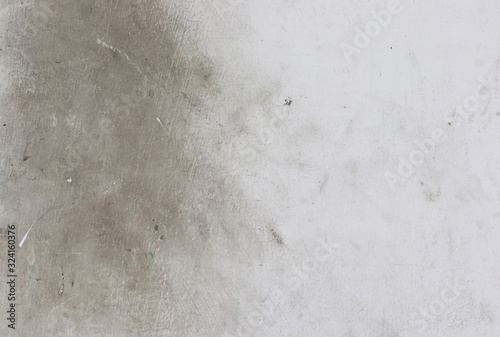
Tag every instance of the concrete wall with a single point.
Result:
(249, 168)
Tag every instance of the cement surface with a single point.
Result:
(227, 168)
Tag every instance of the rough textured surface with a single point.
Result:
(221, 169)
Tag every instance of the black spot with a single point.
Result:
(277, 237)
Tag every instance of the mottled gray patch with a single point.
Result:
(112, 120)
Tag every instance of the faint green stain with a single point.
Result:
(150, 256)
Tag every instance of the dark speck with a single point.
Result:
(156, 227)
(277, 237)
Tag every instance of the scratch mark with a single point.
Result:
(323, 183)
(159, 121)
(116, 50)
(131, 204)
(26, 235)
